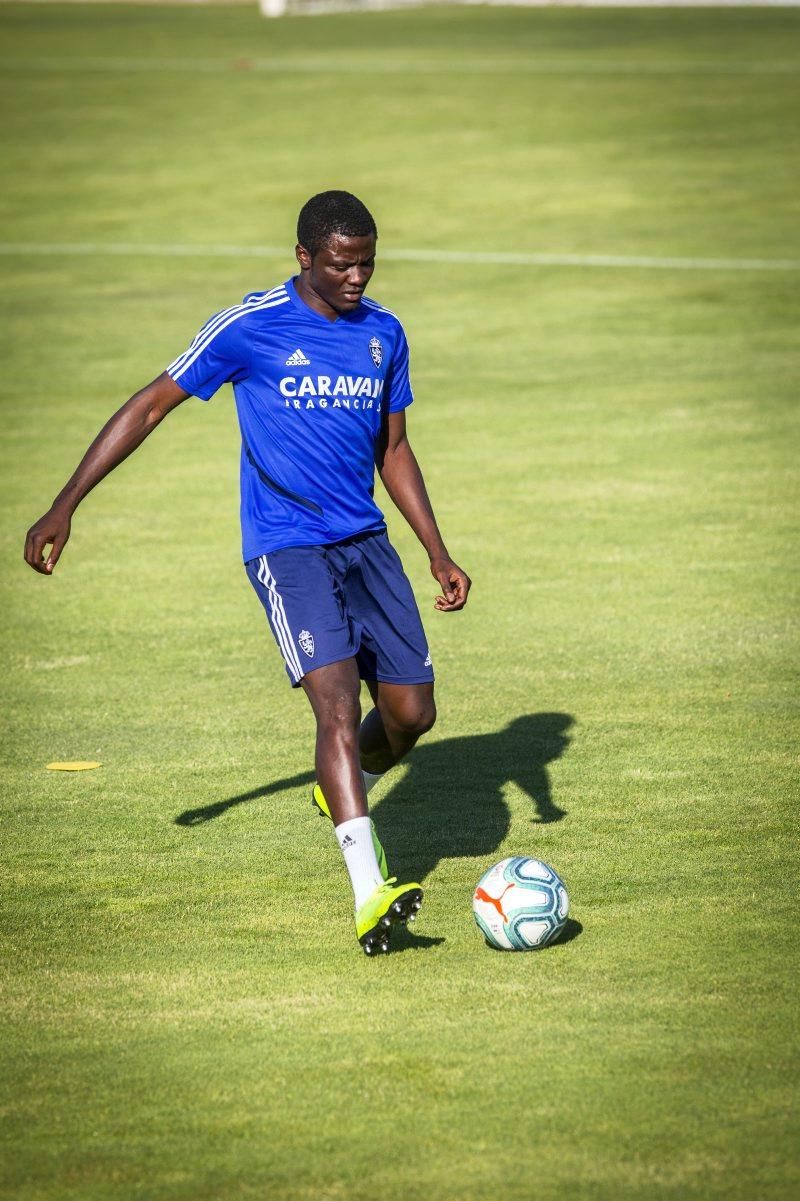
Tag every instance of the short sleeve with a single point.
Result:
(220, 354)
(398, 384)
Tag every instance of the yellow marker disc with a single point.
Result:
(78, 765)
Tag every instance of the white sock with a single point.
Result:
(370, 780)
(355, 841)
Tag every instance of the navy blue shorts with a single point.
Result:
(351, 600)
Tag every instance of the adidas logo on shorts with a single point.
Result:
(298, 359)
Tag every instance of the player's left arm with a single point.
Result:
(402, 478)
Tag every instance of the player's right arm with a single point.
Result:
(126, 430)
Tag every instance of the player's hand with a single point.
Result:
(454, 583)
(51, 530)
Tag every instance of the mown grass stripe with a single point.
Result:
(398, 66)
(474, 257)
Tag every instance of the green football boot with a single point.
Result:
(387, 906)
(321, 805)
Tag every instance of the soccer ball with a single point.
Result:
(520, 904)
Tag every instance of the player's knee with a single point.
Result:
(339, 715)
(427, 717)
(415, 717)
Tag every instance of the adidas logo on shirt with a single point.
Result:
(298, 359)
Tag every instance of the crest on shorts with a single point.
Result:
(376, 350)
(306, 641)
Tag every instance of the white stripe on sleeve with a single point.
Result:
(183, 362)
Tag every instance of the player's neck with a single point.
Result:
(314, 300)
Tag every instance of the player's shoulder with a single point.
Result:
(261, 304)
(382, 316)
(234, 321)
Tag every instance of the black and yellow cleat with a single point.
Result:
(391, 904)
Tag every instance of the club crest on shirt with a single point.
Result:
(306, 641)
(376, 350)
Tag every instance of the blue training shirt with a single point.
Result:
(310, 394)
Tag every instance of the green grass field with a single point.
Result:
(612, 452)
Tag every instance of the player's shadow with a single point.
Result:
(207, 813)
(449, 804)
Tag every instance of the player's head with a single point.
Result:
(330, 213)
(336, 236)
(543, 734)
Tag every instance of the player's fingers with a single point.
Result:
(462, 585)
(33, 552)
(59, 542)
(455, 595)
(445, 584)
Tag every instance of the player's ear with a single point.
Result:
(303, 257)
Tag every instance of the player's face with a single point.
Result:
(339, 272)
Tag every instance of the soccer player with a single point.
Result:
(320, 379)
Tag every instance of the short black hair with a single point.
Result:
(330, 213)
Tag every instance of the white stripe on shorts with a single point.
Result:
(279, 621)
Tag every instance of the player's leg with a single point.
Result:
(402, 714)
(334, 694)
(392, 657)
(303, 604)
(321, 634)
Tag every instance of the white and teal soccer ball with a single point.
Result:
(520, 904)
